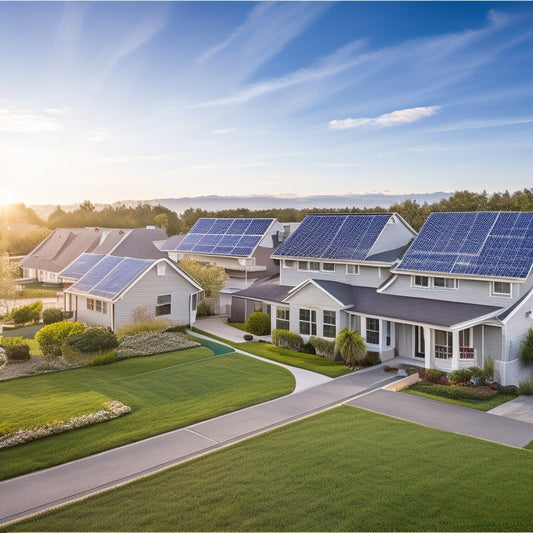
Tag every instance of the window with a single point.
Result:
(329, 328)
(303, 265)
(194, 302)
(328, 267)
(421, 281)
(314, 266)
(372, 331)
(161, 269)
(100, 306)
(90, 304)
(501, 288)
(307, 322)
(388, 332)
(443, 344)
(282, 318)
(163, 306)
(352, 270)
(287, 263)
(445, 283)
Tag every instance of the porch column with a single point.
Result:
(428, 348)
(455, 350)
(363, 328)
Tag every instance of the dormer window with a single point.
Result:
(500, 288)
(421, 281)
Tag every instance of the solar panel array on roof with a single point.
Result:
(225, 236)
(482, 244)
(344, 237)
(110, 276)
(81, 266)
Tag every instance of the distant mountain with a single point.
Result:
(218, 203)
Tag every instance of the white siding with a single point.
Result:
(394, 235)
(516, 326)
(92, 318)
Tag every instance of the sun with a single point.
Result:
(6, 197)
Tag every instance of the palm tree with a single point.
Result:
(351, 346)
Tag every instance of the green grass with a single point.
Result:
(165, 392)
(342, 470)
(311, 362)
(480, 405)
(529, 446)
(238, 325)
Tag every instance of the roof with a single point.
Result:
(80, 266)
(111, 276)
(341, 237)
(64, 245)
(235, 237)
(481, 244)
(171, 244)
(271, 292)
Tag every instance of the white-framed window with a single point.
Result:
(163, 306)
(352, 270)
(420, 281)
(194, 301)
(314, 266)
(307, 322)
(445, 283)
(443, 344)
(329, 328)
(328, 267)
(372, 331)
(500, 288)
(90, 304)
(161, 269)
(282, 318)
(388, 332)
(303, 265)
(96, 305)
(288, 263)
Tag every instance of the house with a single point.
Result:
(460, 292)
(64, 245)
(108, 289)
(242, 246)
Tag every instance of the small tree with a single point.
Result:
(351, 346)
(212, 278)
(526, 349)
(9, 272)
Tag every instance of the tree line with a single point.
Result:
(142, 215)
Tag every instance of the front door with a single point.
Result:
(420, 344)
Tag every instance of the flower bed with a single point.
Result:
(153, 342)
(112, 410)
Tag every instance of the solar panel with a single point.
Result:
(97, 273)
(120, 277)
(346, 237)
(81, 266)
(483, 244)
(225, 236)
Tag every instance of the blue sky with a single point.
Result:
(121, 101)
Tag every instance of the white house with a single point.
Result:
(462, 292)
(108, 289)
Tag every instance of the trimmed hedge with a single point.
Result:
(93, 339)
(457, 392)
(258, 323)
(323, 347)
(287, 339)
(51, 337)
(434, 375)
(52, 315)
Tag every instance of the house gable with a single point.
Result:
(311, 295)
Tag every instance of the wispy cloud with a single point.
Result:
(100, 135)
(223, 131)
(18, 118)
(387, 120)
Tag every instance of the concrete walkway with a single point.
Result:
(520, 408)
(440, 415)
(29, 494)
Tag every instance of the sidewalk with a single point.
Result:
(29, 494)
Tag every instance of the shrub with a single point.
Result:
(177, 329)
(93, 339)
(323, 347)
(433, 375)
(51, 337)
(52, 315)
(18, 352)
(27, 313)
(460, 376)
(351, 346)
(258, 323)
(308, 348)
(204, 309)
(525, 388)
(457, 392)
(158, 324)
(508, 390)
(142, 313)
(11, 341)
(370, 359)
(105, 359)
(526, 349)
(287, 339)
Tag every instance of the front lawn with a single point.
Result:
(315, 363)
(343, 470)
(427, 390)
(165, 392)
